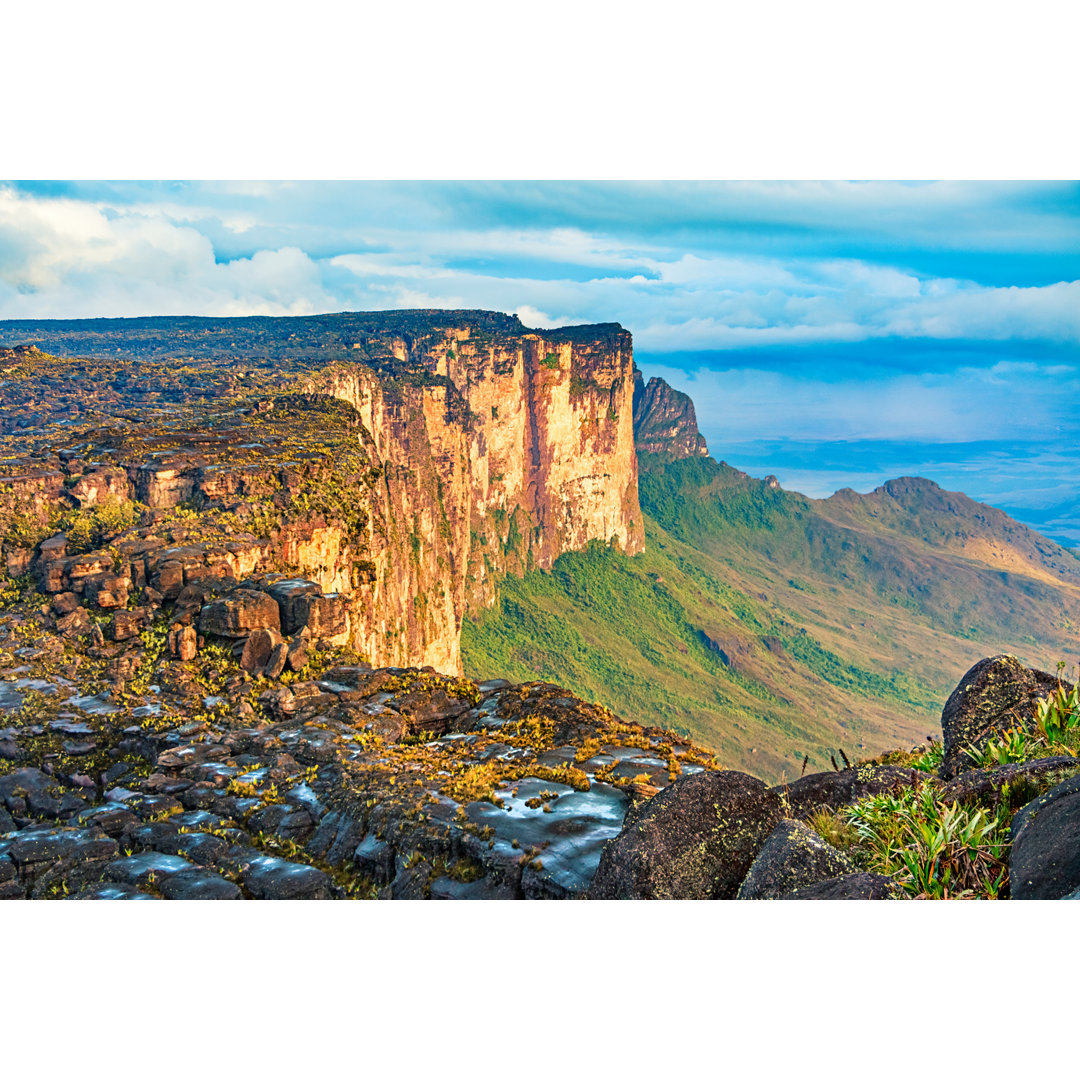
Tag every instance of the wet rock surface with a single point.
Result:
(330, 781)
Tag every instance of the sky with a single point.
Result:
(833, 334)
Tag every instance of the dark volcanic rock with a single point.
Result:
(270, 878)
(832, 790)
(986, 783)
(1044, 862)
(857, 886)
(792, 856)
(998, 693)
(694, 841)
(199, 885)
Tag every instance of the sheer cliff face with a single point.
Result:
(473, 448)
(665, 421)
(501, 452)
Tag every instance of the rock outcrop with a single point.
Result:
(1044, 861)
(665, 421)
(997, 694)
(792, 857)
(465, 447)
(694, 841)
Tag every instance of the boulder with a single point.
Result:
(832, 790)
(292, 600)
(297, 657)
(995, 695)
(695, 840)
(857, 886)
(275, 665)
(792, 856)
(183, 642)
(127, 624)
(257, 649)
(326, 615)
(1044, 860)
(239, 613)
(983, 784)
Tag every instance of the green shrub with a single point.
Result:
(932, 848)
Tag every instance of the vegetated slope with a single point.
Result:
(769, 625)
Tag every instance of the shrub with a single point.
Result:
(934, 849)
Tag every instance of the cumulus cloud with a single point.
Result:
(288, 249)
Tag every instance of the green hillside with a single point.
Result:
(768, 625)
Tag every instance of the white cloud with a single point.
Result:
(69, 257)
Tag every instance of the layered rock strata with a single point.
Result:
(470, 447)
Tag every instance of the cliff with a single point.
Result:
(478, 448)
(665, 421)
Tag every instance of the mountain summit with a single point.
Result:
(665, 421)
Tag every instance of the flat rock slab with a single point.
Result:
(199, 885)
(1044, 861)
(111, 890)
(150, 867)
(269, 878)
(45, 844)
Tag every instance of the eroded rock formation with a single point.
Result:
(665, 421)
(470, 447)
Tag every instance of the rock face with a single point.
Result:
(466, 447)
(694, 841)
(998, 693)
(665, 421)
(792, 857)
(1044, 862)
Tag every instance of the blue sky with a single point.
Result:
(830, 333)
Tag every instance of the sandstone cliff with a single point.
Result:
(665, 421)
(481, 448)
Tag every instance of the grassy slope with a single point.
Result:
(841, 623)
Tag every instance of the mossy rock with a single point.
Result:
(792, 856)
(695, 840)
(997, 694)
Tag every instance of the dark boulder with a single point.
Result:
(983, 784)
(997, 694)
(857, 886)
(292, 600)
(257, 649)
(833, 790)
(1044, 861)
(199, 885)
(792, 856)
(693, 841)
